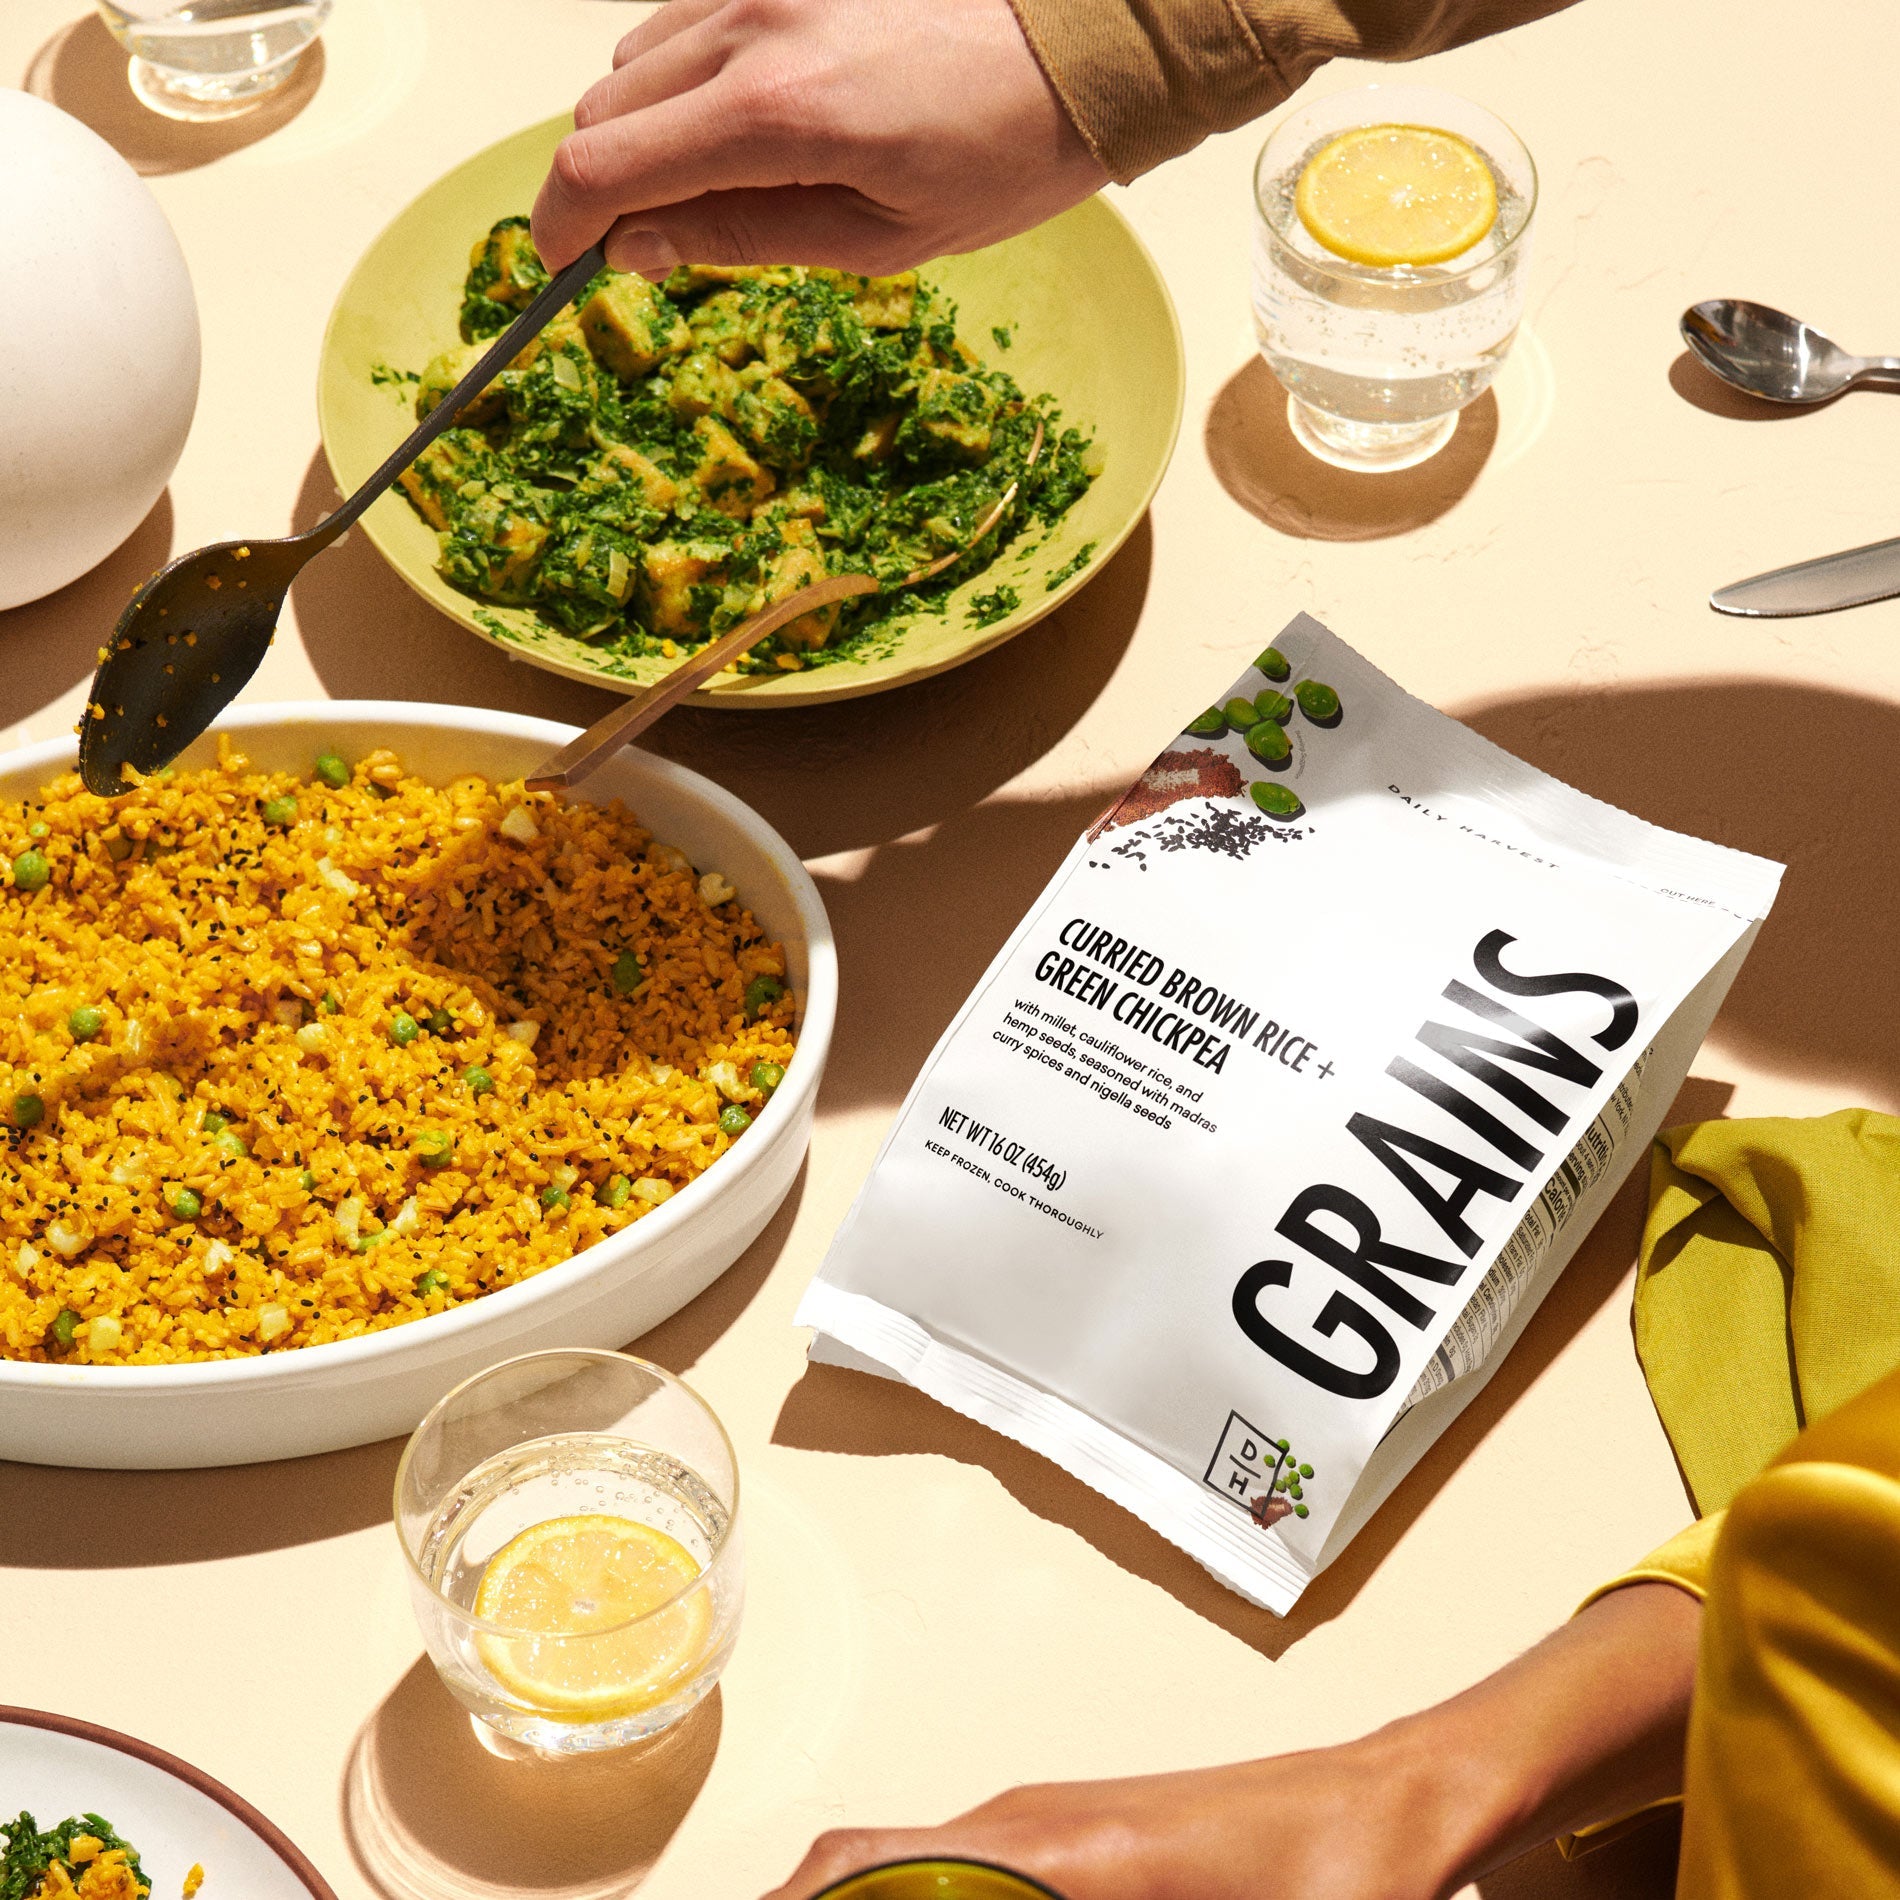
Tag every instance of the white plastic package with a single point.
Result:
(1269, 1128)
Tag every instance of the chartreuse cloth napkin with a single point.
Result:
(1768, 1289)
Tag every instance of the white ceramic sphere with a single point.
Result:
(98, 349)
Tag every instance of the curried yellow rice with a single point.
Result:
(267, 974)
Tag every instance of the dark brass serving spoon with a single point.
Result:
(196, 631)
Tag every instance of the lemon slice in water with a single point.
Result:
(579, 1583)
(1397, 194)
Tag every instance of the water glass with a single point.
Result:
(1378, 360)
(209, 59)
(571, 1522)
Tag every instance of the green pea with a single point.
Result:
(615, 1193)
(231, 1143)
(1280, 1444)
(1277, 801)
(119, 849)
(1269, 743)
(1306, 1471)
(440, 1023)
(213, 1121)
(733, 1120)
(1294, 1491)
(434, 1281)
(187, 1205)
(479, 1081)
(1299, 1510)
(27, 1110)
(1318, 702)
(1274, 706)
(627, 973)
(39, 828)
(404, 1029)
(1274, 664)
(1238, 714)
(65, 1325)
(767, 1076)
(760, 994)
(1280, 1484)
(333, 769)
(86, 1022)
(554, 1195)
(281, 810)
(1205, 725)
(307, 1181)
(31, 871)
(435, 1148)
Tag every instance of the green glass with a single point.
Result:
(938, 1880)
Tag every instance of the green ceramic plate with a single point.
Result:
(1093, 323)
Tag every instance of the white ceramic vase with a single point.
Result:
(98, 349)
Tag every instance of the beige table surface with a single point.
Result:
(934, 1613)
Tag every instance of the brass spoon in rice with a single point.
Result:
(195, 632)
(606, 736)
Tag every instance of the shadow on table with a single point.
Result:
(1640, 1865)
(82, 70)
(52, 644)
(432, 1814)
(1791, 770)
(917, 924)
(1261, 464)
(834, 1410)
(1701, 388)
(172, 1517)
(831, 778)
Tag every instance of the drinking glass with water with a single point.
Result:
(209, 59)
(1391, 256)
(571, 1520)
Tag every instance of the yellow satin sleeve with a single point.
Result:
(1792, 1779)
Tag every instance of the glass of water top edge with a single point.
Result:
(212, 59)
(571, 1523)
(1377, 360)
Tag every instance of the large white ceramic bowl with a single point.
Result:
(318, 1398)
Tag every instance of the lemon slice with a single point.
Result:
(578, 1583)
(1397, 194)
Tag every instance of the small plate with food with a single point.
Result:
(664, 461)
(91, 1814)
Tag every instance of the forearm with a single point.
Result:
(1145, 80)
(1589, 1725)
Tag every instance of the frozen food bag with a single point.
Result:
(1266, 1132)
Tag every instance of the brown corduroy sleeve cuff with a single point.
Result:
(1145, 80)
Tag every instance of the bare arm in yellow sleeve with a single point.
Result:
(1586, 1726)
(870, 135)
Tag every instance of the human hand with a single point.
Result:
(867, 135)
(1369, 1821)
(1586, 1726)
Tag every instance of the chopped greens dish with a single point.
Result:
(665, 460)
(82, 1856)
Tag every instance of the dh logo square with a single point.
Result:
(1246, 1462)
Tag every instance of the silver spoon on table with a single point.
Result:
(594, 747)
(1777, 357)
(1769, 354)
(195, 632)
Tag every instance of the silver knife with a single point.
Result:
(1849, 579)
